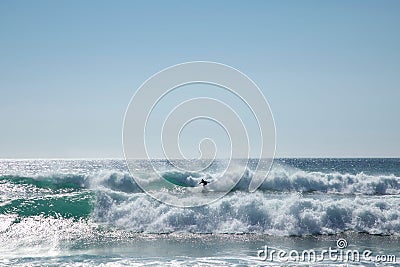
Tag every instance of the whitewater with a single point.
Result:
(56, 211)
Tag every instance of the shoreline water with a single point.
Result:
(190, 249)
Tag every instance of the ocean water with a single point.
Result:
(91, 212)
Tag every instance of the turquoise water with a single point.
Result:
(88, 212)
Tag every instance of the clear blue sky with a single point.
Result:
(330, 70)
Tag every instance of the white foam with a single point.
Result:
(241, 212)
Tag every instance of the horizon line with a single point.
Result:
(284, 157)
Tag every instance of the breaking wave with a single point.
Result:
(240, 212)
(289, 202)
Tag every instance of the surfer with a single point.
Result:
(204, 182)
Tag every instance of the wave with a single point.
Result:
(289, 202)
(280, 179)
(65, 206)
(240, 212)
(286, 180)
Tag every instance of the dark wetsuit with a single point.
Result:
(203, 182)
